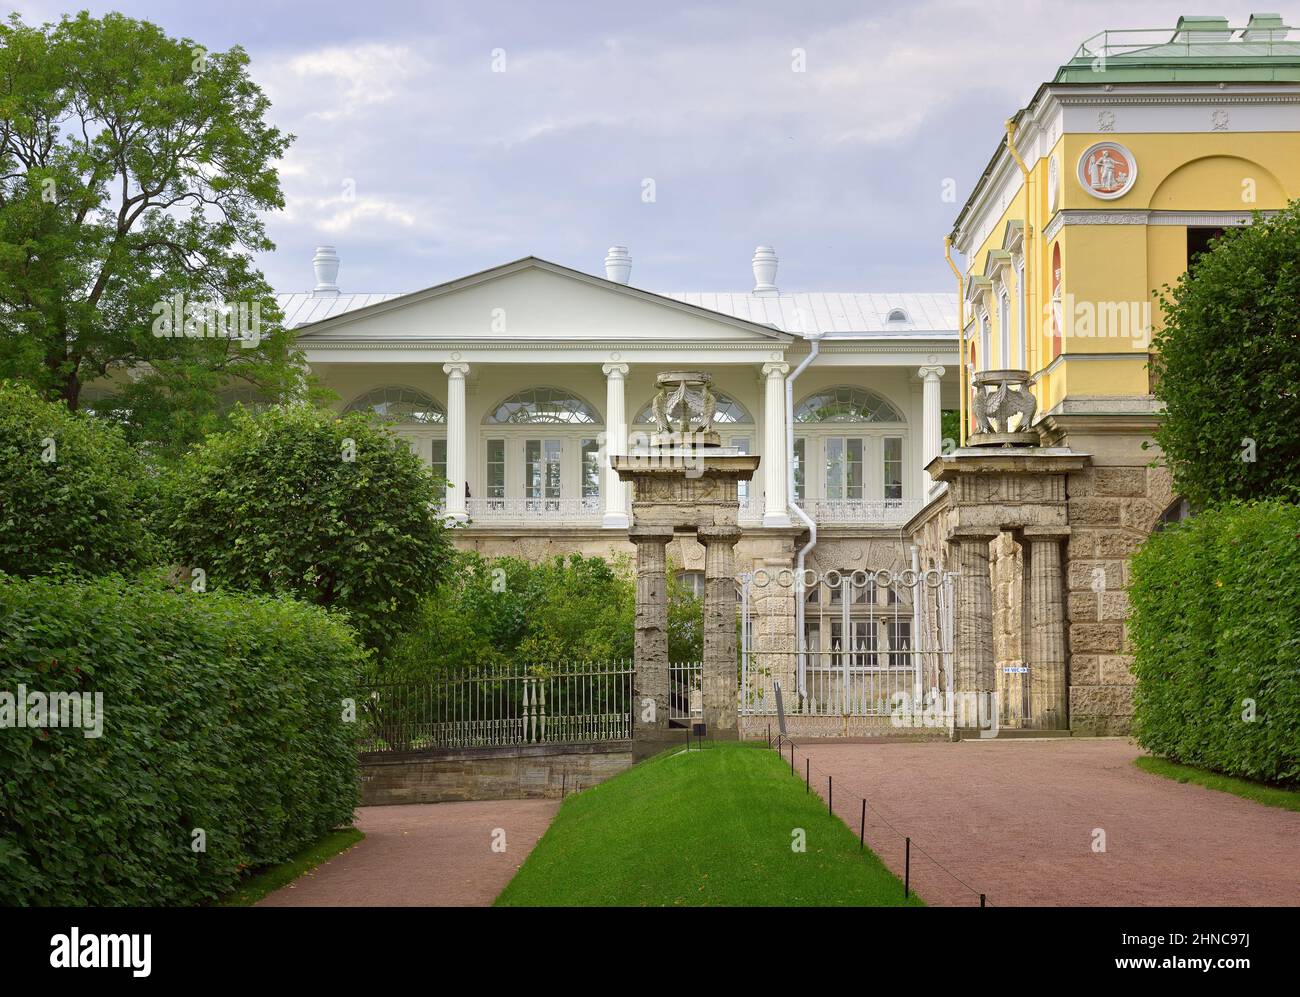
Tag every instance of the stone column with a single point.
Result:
(719, 681)
(651, 655)
(931, 417)
(973, 665)
(455, 508)
(615, 443)
(775, 506)
(1049, 693)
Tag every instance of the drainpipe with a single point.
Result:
(814, 338)
(961, 341)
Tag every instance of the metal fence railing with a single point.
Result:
(535, 705)
(685, 693)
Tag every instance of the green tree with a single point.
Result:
(1227, 366)
(133, 168)
(73, 494)
(334, 510)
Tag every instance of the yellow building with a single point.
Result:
(1140, 149)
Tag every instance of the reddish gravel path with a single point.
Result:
(436, 854)
(1015, 819)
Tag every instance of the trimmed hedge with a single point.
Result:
(1216, 622)
(222, 712)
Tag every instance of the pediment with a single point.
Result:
(534, 300)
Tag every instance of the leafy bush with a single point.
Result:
(336, 511)
(221, 712)
(1227, 364)
(71, 491)
(508, 611)
(1215, 624)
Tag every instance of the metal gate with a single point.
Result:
(868, 643)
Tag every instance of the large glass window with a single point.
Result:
(496, 469)
(590, 469)
(741, 443)
(844, 463)
(855, 454)
(544, 406)
(542, 469)
(892, 467)
(800, 447)
(439, 458)
(846, 404)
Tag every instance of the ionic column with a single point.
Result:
(615, 444)
(775, 509)
(973, 668)
(718, 681)
(931, 416)
(1049, 691)
(650, 682)
(455, 506)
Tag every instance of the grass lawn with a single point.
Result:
(258, 885)
(1260, 792)
(701, 828)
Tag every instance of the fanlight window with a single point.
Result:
(403, 405)
(846, 404)
(544, 406)
(728, 411)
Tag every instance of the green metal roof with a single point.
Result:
(1199, 49)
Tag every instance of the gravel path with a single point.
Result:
(1017, 820)
(436, 854)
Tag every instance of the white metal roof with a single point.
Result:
(847, 315)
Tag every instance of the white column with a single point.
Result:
(615, 443)
(931, 418)
(456, 372)
(775, 509)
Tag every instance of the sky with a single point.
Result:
(437, 139)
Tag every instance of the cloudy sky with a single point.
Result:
(435, 139)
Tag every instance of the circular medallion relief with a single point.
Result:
(1107, 170)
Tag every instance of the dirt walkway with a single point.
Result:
(437, 854)
(1017, 820)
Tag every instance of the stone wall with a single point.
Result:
(506, 773)
(1114, 505)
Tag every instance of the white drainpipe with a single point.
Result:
(815, 341)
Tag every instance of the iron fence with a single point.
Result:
(495, 707)
(685, 692)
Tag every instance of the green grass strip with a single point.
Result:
(1270, 796)
(711, 827)
(267, 881)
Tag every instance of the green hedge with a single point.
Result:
(221, 712)
(1216, 622)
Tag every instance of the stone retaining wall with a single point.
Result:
(507, 773)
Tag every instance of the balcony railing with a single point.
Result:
(869, 512)
(574, 511)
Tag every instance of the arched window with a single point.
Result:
(897, 316)
(403, 405)
(728, 411)
(846, 403)
(543, 406)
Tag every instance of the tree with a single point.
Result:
(296, 500)
(1227, 366)
(73, 494)
(133, 167)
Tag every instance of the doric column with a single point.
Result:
(931, 416)
(455, 507)
(775, 508)
(650, 682)
(615, 444)
(718, 681)
(1049, 690)
(974, 677)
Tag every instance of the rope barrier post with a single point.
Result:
(862, 828)
(792, 758)
(564, 783)
(769, 735)
(982, 899)
(830, 794)
(907, 866)
(807, 775)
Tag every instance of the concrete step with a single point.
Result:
(1007, 734)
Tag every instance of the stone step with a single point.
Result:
(1007, 734)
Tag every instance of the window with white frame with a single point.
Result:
(542, 449)
(414, 416)
(852, 440)
(985, 344)
(1023, 338)
(1004, 328)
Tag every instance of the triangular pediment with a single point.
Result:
(534, 300)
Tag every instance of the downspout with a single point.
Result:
(815, 341)
(1030, 204)
(961, 341)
